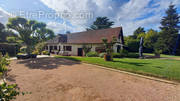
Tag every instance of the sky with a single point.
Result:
(77, 15)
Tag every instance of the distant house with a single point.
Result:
(72, 44)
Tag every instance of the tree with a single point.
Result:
(138, 31)
(101, 23)
(25, 29)
(31, 32)
(68, 32)
(11, 39)
(41, 32)
(150, 39)
(132, 44)
(2, 35)
(1, 27)
(169, 29)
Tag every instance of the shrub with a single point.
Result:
(124, 53)
(117, 55)
(23, 49)
(92, 54)
(86, 49)
(132, 44)
(35, 52)
(101, 55)
(3, 63)
(20, 53)
(133, 55)
(40, 47)
(45, 52)
(8, 92)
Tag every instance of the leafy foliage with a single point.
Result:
(86, 49)
(8, 92)
(138, 31)
(31, 32)
(45, 52)
(40, 47)
(150, 38)
(101, 55)
(3, 63)
(169, 30)
(132, 44)
(123, 53)
(4, 33)
(92, 54)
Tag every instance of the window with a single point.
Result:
(55, 47)
(51, 47)
(67, 48)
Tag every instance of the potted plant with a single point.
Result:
(108, 55)
(108, 50)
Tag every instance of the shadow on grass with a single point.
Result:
(158, 67)
(46, 63)
(132, 63)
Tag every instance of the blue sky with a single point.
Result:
(77, 15)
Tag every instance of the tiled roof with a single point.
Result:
(60, 38)
(94, 36)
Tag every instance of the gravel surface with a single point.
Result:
(52, 79)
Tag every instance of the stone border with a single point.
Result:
(133, 74)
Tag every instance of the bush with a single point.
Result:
(3, 63)
(101, 55)
(35, 52)
(8, 92)
(133, 55)
(23, 49)
(20, 53)
(132, 44)
(117, 55)
(92, 54)
(124, 53)
(40, 47)
(45, 52)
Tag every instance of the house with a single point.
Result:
(73, 43)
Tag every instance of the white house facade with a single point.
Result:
(72, 44)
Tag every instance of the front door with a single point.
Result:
(80, 52)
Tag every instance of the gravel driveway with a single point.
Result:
(51, 79)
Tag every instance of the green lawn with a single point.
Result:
(163, 55)
(163, 68)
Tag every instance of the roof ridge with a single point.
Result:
(96, 30)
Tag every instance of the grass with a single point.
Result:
(163, 55)
(163, 68)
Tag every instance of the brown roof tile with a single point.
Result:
(94, 36)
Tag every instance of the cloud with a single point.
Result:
(130, 14)
(4, 16)
(59, 28)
